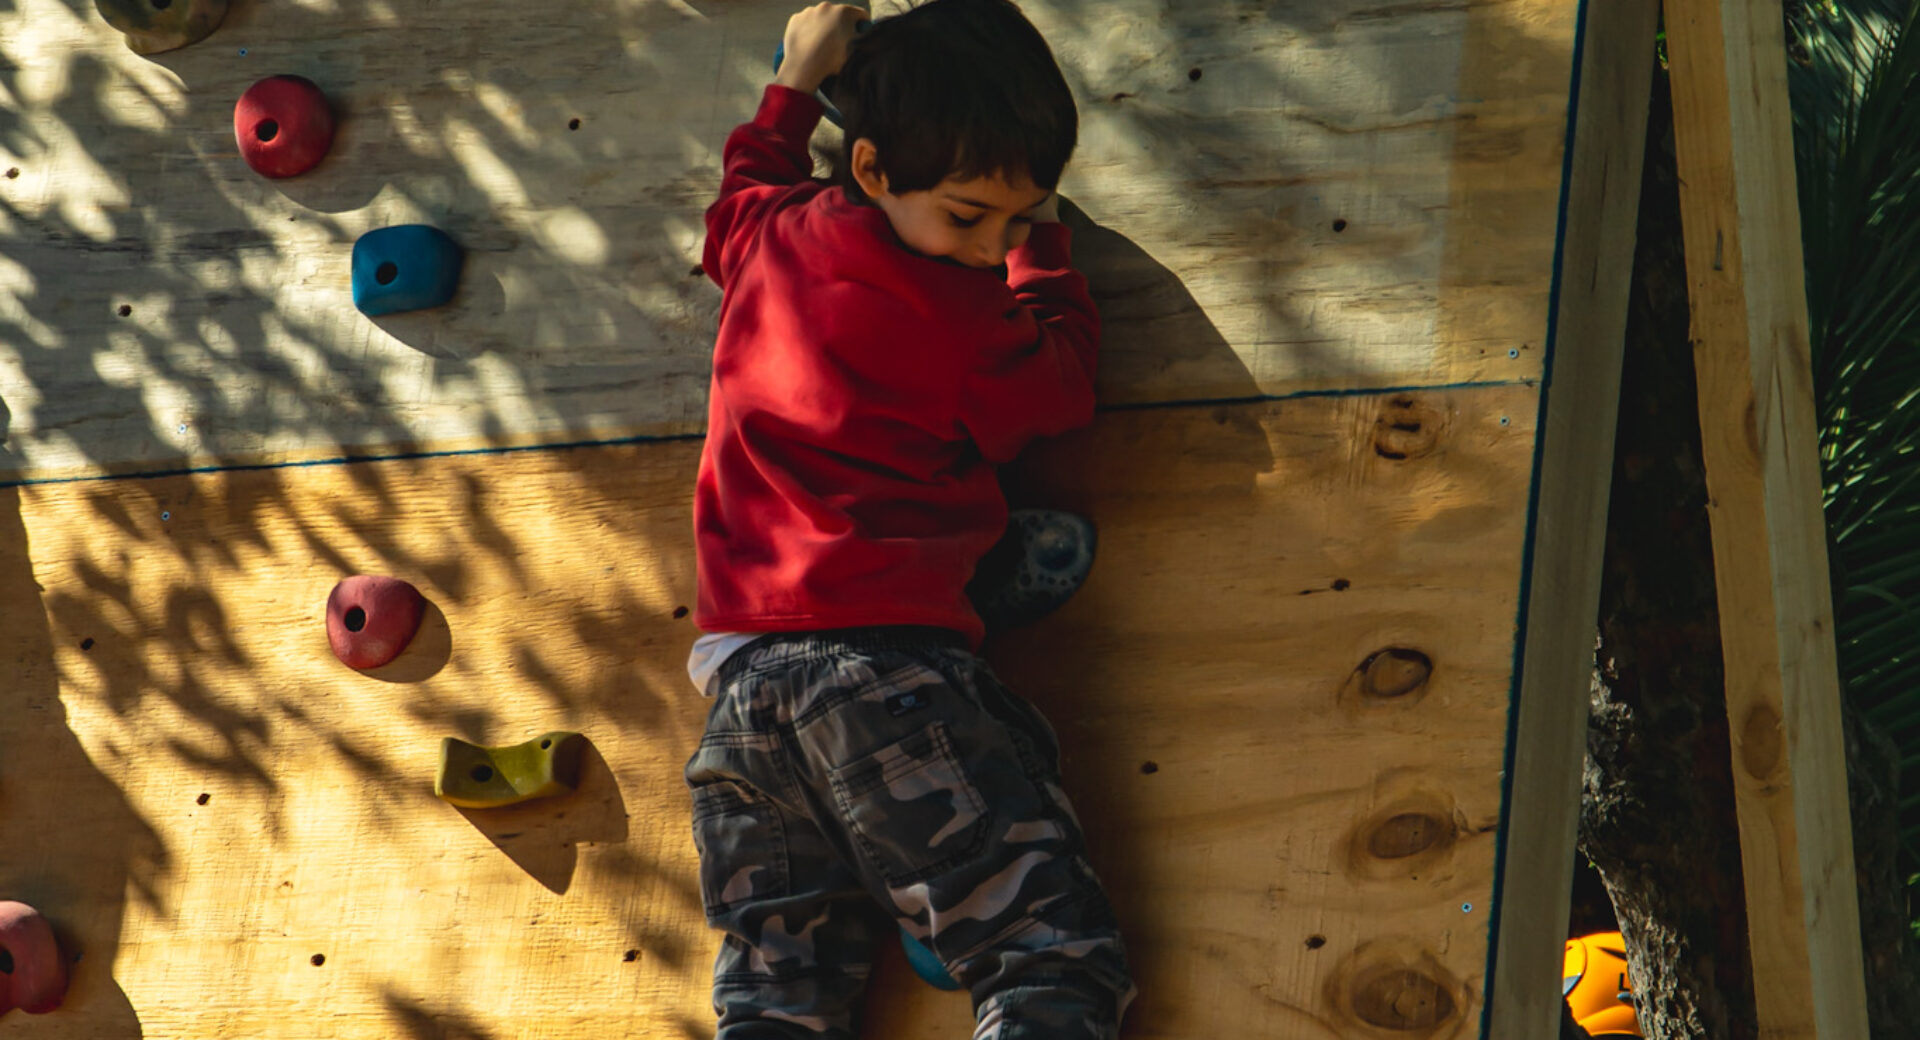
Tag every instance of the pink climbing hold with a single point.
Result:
(370, 619)
(283, 126)
(36, 979)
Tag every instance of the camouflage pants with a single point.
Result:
(888, 764)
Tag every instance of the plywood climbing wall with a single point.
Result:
(1323, 237)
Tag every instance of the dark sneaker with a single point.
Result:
(1038, 565)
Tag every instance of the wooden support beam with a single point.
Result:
(1746, 282)
(1609, 113)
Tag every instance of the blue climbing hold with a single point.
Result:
(925, 964)
(409, 267)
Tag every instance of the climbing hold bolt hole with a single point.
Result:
(1314, 942)
(1341, 584)
(6, 962)
(697, 271)
(13, 173)
(126, 311)
(481, 774)
(1339, 225)
(1149, 767)
(573, 124)
(87, 643)
(386, 273)
(631, 956)
(679, 612)
(355, 620)
(317, 959)
(1194, 74)
(267, 130)
(545, 744)
(203, 799)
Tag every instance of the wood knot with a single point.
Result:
(1762, 744)
(1409, 837)
(1408, 834)
(1391, 673)
(1407, 428)
(1402, 1000)
(1396, 985)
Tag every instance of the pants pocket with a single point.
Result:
(910, 807)
(743, 847)
(1033, 736)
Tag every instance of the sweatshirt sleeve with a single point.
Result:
(1040, 383)
(763, 158)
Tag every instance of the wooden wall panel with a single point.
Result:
(205, 800)
(1272, 196)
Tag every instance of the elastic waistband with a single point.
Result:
(785, 648)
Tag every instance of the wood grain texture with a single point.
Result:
(1741, 220)
(1569, 532)
(1284, 729)
(1271, 196)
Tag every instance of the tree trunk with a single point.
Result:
(1657, 820)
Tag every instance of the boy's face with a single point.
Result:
(975, 222)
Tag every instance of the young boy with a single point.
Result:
(873, 363)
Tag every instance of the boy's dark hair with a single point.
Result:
(963, 88)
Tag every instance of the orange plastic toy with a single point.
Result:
(1595, 983)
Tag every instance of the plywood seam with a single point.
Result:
(614, 442)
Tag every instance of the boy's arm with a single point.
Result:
(1044, 385)
(768, 155)
(762, 159)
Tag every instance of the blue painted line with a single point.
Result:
(677, 438)
(344, 460)
(1301, 395)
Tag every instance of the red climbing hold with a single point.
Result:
(283, 125)
(36, 981)
(370, 619)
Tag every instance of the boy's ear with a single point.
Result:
(865, 156)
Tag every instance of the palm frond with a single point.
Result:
(1855, 85)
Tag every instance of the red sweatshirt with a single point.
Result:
(861, 393)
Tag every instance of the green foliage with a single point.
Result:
(1857, 140)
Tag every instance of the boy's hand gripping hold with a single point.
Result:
(816, 44)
